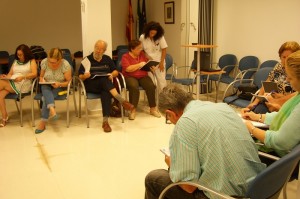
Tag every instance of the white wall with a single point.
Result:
(32, 22)
(96, 24)
(256, 27)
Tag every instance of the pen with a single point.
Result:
(253, 107)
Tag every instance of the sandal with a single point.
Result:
(4, 121)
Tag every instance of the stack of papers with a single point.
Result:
(86, 64)
(256, 124)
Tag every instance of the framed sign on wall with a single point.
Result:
(169, 12)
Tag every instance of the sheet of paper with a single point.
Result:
(256, 124)
(165, 151)
(86, 64)
(46, 82)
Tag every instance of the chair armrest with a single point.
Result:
(244, 72)
(201, 187)
(266, 155)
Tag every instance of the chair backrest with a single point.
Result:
(4, 54)
(268, 63)
(261, 75)
(226, 60)
(68, 56)
(169, 61)
(121, 52)
(248, 62)
(274, 177)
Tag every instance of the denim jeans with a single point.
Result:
(159, 179)
(49, 94)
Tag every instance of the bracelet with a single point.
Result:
(260, 117)
(252, 129)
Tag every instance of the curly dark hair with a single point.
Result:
(26, 51)
(154, 26)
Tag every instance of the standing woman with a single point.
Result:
(53, 69)
(22, 71)
(155, 46)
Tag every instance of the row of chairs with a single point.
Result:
(233, 71)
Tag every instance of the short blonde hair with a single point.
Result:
(55, 53)
(293, 62)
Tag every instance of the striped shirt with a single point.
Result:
(211, 145)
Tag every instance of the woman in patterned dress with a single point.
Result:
(277, 75)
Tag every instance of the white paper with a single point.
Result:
(86, 64)
(165, 151)
(256, 124)
(46, 82)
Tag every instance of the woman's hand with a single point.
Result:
(56, 85)
(86, 75)
(161, 66)
(18, 79)
(250, 116)
(167, 160)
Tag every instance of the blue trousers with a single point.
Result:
(49, 94)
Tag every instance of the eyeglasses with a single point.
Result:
(53, 62)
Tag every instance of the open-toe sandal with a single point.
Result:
(4, 121)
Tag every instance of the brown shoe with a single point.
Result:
(127, 106)
(106, 127)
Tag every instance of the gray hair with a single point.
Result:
(101, 42)
(174, 98)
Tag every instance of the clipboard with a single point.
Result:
(149, 64)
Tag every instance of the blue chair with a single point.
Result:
(93, 96)
(267, 184)
(234, 99)
(169, 64)
(4, 56)
(227, 63)
(18, 98)
(268, 63)
(187, 77)
(36, 94)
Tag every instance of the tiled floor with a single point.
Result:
(79, 162)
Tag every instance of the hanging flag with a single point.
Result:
(129, 25)
(142, 17)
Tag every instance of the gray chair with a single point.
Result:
(267, 184)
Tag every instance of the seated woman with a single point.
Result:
(97, 63)
(53, 69)
(283, 134)
(277, 75)
(19, 78)
(132, 62)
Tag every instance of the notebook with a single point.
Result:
(204, 61)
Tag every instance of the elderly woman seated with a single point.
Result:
(132, 63)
